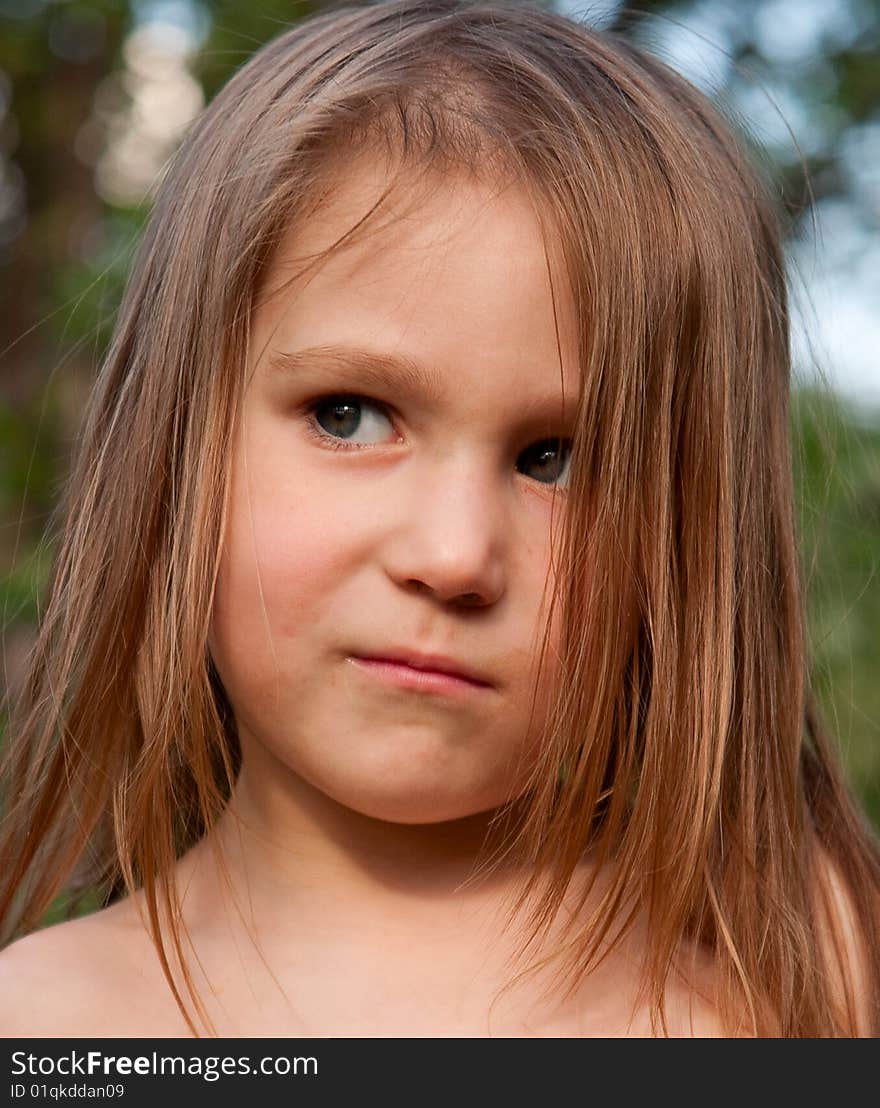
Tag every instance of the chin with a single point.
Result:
(413, 806)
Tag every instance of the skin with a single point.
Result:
(429, 536)
(360, 807)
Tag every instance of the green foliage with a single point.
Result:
(837, 472)
(28, 469)
(23, 586)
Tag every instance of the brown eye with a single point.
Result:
(549, 460)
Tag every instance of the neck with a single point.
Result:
(305, 834)
(293, 853)
(314, 890)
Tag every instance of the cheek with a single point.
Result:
(285, 552)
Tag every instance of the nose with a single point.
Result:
(450, 537)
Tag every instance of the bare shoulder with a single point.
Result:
(841, 938)
(842, 941)
(77, 978)
(55, 979)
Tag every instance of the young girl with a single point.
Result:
(425, 649)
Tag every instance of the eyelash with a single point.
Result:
(314, 428)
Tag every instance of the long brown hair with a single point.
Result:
(684, 744)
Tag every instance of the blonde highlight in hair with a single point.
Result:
(684, 746)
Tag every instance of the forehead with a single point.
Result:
(456, 277)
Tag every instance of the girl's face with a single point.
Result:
(392, 491)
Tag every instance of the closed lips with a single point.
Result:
(428, 663)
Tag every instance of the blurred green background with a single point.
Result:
(95, 95)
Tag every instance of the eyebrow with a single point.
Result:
(372, 369)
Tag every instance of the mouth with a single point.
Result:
(420, 678)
